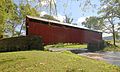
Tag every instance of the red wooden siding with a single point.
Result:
(55, 33)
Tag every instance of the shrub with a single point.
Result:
(21, 43)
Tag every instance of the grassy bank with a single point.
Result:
(40, 61)
(66, 45)
(112, 48)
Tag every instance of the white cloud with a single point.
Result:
(104, 6)
(30, 0)
(43, 13)
(106, 34)
(60, 17)
(46, 2)
(81, 19)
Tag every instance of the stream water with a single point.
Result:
(110, 57)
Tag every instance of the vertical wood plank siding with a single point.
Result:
(56, 33)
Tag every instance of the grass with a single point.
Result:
(111, 42)
(41, 61)
(66, 45)
(112, 48)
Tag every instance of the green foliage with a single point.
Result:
(66, 45)
(111, 6)
(24, 10)
(49, 17)
(27, 9)
(6, 7)
(8, 16)
(12, 21)
(93, 23)
(110, 10)
(21, 43)
(39, 61)
(13, 15)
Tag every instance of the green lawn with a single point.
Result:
(43, 61)
(66, 45)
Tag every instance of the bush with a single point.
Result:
(96, 45)
(21, 43)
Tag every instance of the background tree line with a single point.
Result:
(12, 15)
(108, 20)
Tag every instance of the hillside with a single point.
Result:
(41, 61)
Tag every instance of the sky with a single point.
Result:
(73, 9)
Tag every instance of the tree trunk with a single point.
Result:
(21, 28)
(113, 35)
(13, 30)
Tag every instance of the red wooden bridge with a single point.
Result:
(57, 32)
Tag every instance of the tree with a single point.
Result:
(93, 23)
(13, 21)
(68, 19)
(6, 13)
(47, 5)
(110, 11)
(24, 10)
(49, 17)
(2, 16)
(13, 15)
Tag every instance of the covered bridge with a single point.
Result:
(57, 32)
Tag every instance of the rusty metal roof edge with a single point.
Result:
(67, 24)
